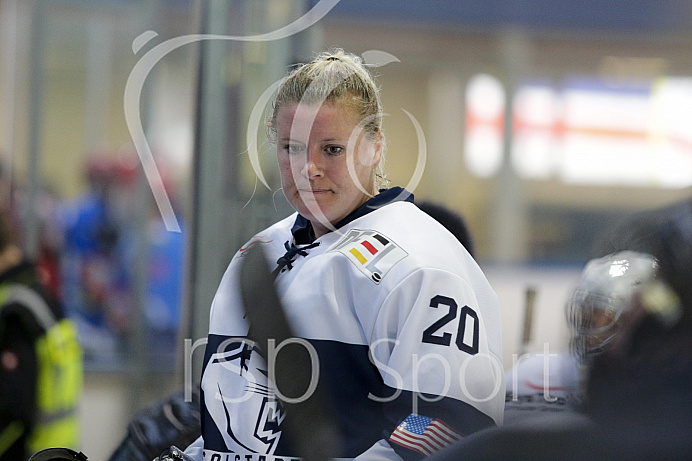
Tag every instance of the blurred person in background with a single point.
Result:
(553, 381)
(96, 284)
(45, 209)
(106, 239)
(40, 358)
(640, 387)
(638, 381)
(453, 222)
(600, 299)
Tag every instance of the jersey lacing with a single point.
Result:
(292, 251)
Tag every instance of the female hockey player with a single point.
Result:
(405, 326)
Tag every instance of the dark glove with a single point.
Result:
(170, 422)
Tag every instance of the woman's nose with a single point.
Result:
(313, 164)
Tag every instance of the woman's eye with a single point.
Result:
(293, 148)
(334, 150)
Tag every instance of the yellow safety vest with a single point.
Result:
(60, 372)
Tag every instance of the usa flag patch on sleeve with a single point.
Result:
(423, 435)
(371, 252)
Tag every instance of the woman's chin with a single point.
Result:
(322, 220)
(315, 208)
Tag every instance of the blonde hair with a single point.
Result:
(335, 77)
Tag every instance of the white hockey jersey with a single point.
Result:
(405, 324)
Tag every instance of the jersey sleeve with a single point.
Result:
(434, 348)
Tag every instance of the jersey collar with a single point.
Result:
(302, 229)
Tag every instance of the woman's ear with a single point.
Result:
(378, 145)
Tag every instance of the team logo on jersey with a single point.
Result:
(240, 400)
(371, 252)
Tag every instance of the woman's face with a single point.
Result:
(316, 148)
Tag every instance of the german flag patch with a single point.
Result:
(371, 252)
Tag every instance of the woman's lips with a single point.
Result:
(315, 191)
